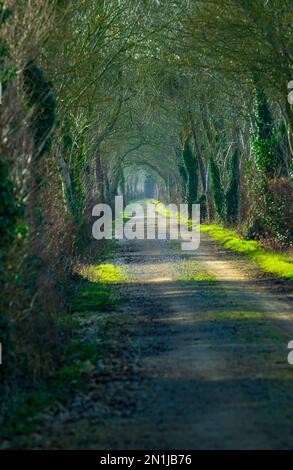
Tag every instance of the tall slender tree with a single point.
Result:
(191, 168)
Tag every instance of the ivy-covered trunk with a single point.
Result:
(191, 168)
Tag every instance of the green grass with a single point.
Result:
(98, 293)
(104, 272)
(191, 271)
(94, 297)
(271, 262)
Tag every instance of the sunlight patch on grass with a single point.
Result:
(278, 264)
(106, 272)
(230, 239)
(98, 294)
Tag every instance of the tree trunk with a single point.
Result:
(198, 154)
(99, 174)
(66, 182)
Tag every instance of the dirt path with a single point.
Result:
(207, 367)
(216, 365)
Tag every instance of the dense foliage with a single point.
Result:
(42, 107)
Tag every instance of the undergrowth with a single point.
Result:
(21, 411)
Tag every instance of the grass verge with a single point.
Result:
(271, 262)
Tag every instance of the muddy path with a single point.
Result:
(206, 362)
